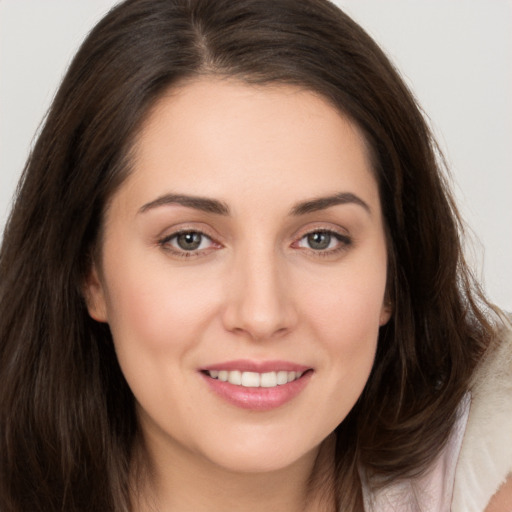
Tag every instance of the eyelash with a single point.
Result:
(183, 253)
(344, 242)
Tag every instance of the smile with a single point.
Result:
(257, 386)
(255, 379)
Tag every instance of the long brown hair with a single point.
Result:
(67, 416)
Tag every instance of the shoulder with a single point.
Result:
(485, 459)
(502, 500)
(477, 457)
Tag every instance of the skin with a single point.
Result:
(502, 500)
(255, 288)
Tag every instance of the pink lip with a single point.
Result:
(245, 365)
(257, 399)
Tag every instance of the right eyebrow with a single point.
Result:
(322, 203)
(204, 204)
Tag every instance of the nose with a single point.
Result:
(259, 301)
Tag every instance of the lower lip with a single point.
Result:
(258, 399)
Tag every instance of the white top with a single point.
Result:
(478, 455)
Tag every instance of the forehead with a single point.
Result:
(224, 136)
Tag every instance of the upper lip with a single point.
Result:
(245, 365)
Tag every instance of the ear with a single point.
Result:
(94, 294)
(385, 313)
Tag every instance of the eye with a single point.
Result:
(323, 241)
(186, 243)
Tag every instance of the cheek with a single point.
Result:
(158, 318)
(156, 308)
(348, 305)
(345, 316)
(347, 330)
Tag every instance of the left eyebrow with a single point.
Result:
(322, 203)
(204, 204)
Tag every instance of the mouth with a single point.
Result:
(257, 386)
(255, 379)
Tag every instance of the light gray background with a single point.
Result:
(456, 55)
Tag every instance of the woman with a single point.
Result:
(233, 278)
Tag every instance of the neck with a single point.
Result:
(191, 484)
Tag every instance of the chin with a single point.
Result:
(262, 457)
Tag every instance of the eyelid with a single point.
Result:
(345, 240)
(163, 241)
(321, 227)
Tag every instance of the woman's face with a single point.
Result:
(248, 245)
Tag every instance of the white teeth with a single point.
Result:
(235, 377)
(268, 380)
(251, 380)
(254, 379)
(282, 377)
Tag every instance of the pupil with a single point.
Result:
(319, 240)
(189, 241)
